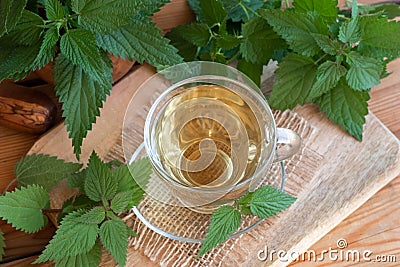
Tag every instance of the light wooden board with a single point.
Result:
(349, 173)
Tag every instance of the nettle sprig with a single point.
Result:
(77, 35)
(89, 219)
(325, 56)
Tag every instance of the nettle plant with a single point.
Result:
(88, 220)
(78, 36)
(325, 56)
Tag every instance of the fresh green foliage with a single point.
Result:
(99, 183)
(10, 13)
(114, 236)
(43, 170)
(88, 219)
(266, 201)
(76, 35)
(324, 55)
(90, 259)
(23, 208)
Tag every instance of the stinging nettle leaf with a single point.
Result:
(80, 47)
(48, 48)
(326, 8)
(241, 10)
(294, 79)
(328, 75)
(260, 41)
(364, 72)
(23, 207)
(350, 31)
(10, 13)
(297, 29)
(213, 12)
(90, 259)
(93, 216)
(186, 49)
(268, 201)
(54, 10)
(328, 45)
(380, 33)
(103, 16)
(224, 221)
(43, 170)
(81, 97)
(253, 71)
(99, 183)
(28, 30)
(228, 41)
(346, 107)
(141, 41)
(71, 239)
(196, 33)
(114, 236)
(121, 201)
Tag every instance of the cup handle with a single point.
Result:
(291, 141)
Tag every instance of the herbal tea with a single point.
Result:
(208, 137)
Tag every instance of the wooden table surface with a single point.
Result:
(375, 226)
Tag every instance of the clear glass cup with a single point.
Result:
(209, 135)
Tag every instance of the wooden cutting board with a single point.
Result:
(342, 174)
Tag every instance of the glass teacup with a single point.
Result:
(210, 136)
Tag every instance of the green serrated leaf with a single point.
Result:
(346, 107)
(328, 45)
(242, 10)
(380, 33)
(80, 47)
(99, 182)
(328, 75)
(389, 10)
(228, 41)
(28, 30)
(16, 61)
(121, 201)
(10, 13)
(195, 6)
(141, 41)
(75, 203)
(2, 245)
(126, 183)
(213, 12)
(364, 72)
(186, 49)
(259, 41)
(81, 96)
(141, 170)
(252, 70)
(196, 33)
(326, 8)
(149, 7)
(224, 221)
(48, 48)
(90, 259)
(43, 170)
(114, 236)
(103, 16)
(22, 208)
(350, 31)
(54, 10)
(267, 201)
(297, 29)
(71, 239)
(293, 82)
(93, 216)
